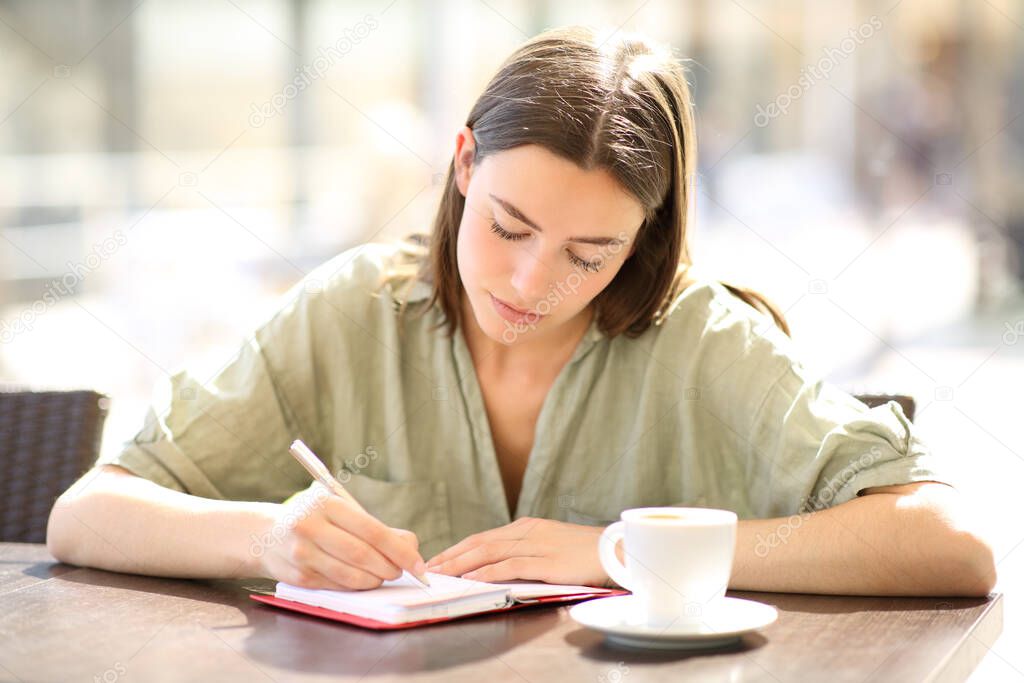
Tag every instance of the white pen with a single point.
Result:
(320, 473)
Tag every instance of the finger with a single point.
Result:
(378, 535)
(353, 550)
(408, 536)
(530, 568)
(307, 556)
(455, 550)
(304, 576)
(308, 578)
(487, 553)
(502, 532)
(459, 548)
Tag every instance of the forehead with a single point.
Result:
(559, 195)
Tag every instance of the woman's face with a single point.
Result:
(539, 234)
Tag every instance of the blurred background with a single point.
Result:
(169, 169)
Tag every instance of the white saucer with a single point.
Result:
(724, 625)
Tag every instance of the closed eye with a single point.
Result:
(591, 266)
(506, 235)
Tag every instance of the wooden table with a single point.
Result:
(61, 623)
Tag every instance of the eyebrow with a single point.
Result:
(520, 216)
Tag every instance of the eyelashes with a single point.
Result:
(591, 266)
(506, 235)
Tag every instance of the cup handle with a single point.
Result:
(609, 560)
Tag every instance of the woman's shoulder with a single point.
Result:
(359, 286)
(373, 268)
(707, 308)
(710, 329)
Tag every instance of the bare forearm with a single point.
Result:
(143, 528)
(872, 545)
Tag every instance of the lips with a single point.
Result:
(522, 311)
(513, 314)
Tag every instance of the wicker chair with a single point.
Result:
(47, 440)
(906, 402)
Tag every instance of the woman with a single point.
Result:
(549, 359)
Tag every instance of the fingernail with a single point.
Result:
(421, 567)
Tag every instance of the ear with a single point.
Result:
(465, 150)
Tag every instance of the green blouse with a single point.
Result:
(712, 408)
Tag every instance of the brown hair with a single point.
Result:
(622, 105)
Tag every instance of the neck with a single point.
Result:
(533, 353)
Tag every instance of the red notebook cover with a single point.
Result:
(366, 622)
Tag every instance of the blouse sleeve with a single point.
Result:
(227, 436)
(781, 439)
(813, 446)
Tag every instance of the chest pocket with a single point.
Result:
(590, 511)
(599, 518)
(419, 506)
(596, 511)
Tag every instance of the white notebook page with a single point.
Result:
(404, 599)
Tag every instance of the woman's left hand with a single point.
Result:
(530, 548)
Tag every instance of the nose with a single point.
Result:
(532, 278)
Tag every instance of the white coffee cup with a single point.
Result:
(678, 560)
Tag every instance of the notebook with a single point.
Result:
(403, 602)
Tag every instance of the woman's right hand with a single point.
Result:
(319, 540)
